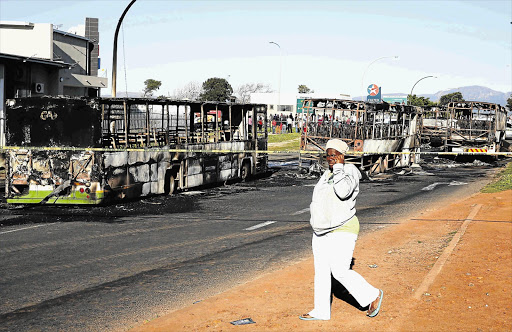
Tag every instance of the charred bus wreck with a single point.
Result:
(93, 151)
(372, 131)
(469, 126)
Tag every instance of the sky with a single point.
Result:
(332, 47)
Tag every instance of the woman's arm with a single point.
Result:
(345, 181)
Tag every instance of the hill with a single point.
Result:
(476, 93)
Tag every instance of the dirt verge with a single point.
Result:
(472, 291)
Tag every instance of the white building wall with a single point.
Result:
(273, 100)
(27, 39)
(72, 50)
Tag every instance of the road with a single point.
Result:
(109, 268)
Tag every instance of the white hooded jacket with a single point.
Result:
(334, 198)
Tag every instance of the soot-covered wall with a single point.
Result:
(47, 121)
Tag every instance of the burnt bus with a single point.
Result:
(64, 150)
(380, 136)
(466, 126)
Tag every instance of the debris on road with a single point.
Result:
(244, 321)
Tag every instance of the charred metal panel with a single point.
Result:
(136, 173)
(53, 122)
(381, 146)
(54, 177)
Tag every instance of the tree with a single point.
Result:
(216, 89)
(243, 92)
(509, 103)
(456, 96)
(191, 91)
(150, 86)
(419, 101)
(304, 89)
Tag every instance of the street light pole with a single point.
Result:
(418, 82)
(371, 63)
(279, 82)
(114, 59)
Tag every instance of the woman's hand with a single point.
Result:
(339, 159)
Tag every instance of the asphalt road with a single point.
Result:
(110, 268)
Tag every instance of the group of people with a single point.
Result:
(284, 123)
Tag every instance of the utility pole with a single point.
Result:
(114, 60)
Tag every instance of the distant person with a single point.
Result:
(289, 124)
(335, 230)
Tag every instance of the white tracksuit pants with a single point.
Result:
(333, 254)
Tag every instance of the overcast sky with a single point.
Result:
(326, 45)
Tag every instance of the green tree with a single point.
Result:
(216, 89)
(419, 101)
(509, 103)
(445, 99)
(150, 86)
(304, 89)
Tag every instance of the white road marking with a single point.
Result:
(438, 266)
(300, 212)
(20, 229)
(457, 183)
(263, 224)
(435, 184)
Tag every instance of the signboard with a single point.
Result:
(374, 93)
(395, 99)
(299, 105)
(300, 109)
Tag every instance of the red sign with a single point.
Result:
(373, 90)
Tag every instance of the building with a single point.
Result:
(288, 103)
(40, 60)
(36, 59)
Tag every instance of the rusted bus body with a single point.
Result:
(371, 130)
(469, 126)
(55, 163)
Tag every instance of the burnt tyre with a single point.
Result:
(170, 183)
(245, 172)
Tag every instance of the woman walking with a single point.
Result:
(335, 230)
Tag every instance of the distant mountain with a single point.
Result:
(474, 93)
(470, 93)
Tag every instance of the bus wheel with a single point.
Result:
(170, 184)
(245, 171)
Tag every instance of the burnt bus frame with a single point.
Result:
(374, 133)
(465, 125)
(56, 159)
